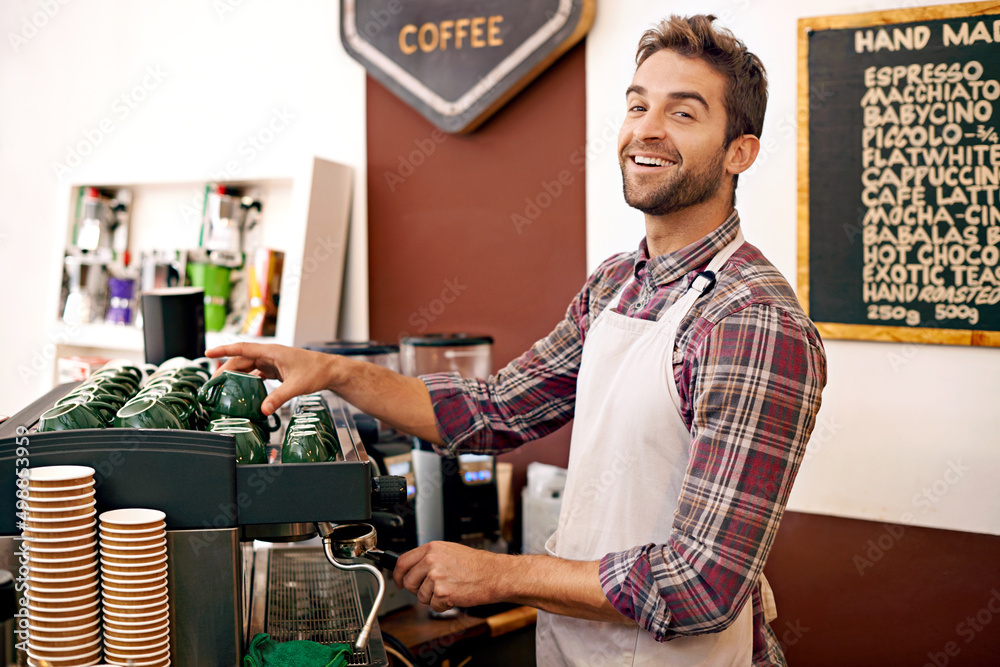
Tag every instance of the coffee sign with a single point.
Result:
(458, 61)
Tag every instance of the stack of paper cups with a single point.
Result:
(134, 581)
(63, 588)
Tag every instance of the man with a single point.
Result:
(692, 373)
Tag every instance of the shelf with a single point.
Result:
(306, 216)
(106, 338)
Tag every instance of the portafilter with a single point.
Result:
(357, 540)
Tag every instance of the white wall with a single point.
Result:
(199, 76)
(896, 419)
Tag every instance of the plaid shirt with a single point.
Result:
(749, 367)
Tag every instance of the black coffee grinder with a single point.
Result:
(456, 496)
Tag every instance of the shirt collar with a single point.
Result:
(674, 265)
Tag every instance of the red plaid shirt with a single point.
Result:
(749, 367)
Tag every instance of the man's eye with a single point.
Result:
(637, 107)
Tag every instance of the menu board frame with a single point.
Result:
(888, 324)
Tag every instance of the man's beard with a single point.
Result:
(685, 189)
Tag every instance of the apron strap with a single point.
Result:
(701, 282)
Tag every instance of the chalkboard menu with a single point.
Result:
(899, 174)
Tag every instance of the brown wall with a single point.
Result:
(853, 592)
(440, 222)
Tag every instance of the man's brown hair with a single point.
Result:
(695, 36)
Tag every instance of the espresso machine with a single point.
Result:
(250, 547)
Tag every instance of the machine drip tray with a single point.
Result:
(307, 598)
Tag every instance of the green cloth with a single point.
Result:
(265, 652)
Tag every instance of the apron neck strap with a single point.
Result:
(704, 278)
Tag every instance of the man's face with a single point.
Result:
(670, 146)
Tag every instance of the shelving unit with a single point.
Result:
(305, 215)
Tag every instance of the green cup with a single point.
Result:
(175, 383)
(123, 389)
(71, 416)
(234, 394)
(146, 412)
(92, 394)
(262, 426)
(330, 443)
(116, 376)
(184, 406)
(322, 414)
(249, 447)
(313, 421)
(225, 422)
(304, 447)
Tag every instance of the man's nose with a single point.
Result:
(650, 128)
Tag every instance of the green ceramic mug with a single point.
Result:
(146, 412)
(215, 422)
(249, 447)
(330, 444)
(322, 414)
(304, 447)
(89, 394)
(71, 416)
(234, 394)
(123, 389)
(116, 382)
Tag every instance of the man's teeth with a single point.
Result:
(651, 161)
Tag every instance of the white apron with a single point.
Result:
(628, 457)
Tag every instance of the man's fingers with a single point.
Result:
(283, 393)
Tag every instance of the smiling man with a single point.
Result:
(691, 373)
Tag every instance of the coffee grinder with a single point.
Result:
(456, 496)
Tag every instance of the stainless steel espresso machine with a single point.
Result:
(225, 584)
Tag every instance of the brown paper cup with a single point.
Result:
(57, 476)
(59, 491)
(40, 521)
(68, 510)
(118, 539)
(139, 598)
(60, 554)
(138, 653)
(39, 629)
(41, 583)
(154, 548)
(141, 570)
(79, 661)
(150, 639)
(132, 518)
(47, 623)
(134, 622)
(68, 649)
(59, 605)
(126, 533)
(136, 583)
(56, 532)
(143, 632)
(60, 542)
(134, 613)
(61, 570)
(131, 561)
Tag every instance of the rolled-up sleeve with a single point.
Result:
(754, 387)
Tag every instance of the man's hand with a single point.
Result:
(300, 371)
(445, 575)
(400, 401)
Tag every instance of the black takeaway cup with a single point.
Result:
(173, 323)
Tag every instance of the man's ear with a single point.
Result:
(741, 153)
